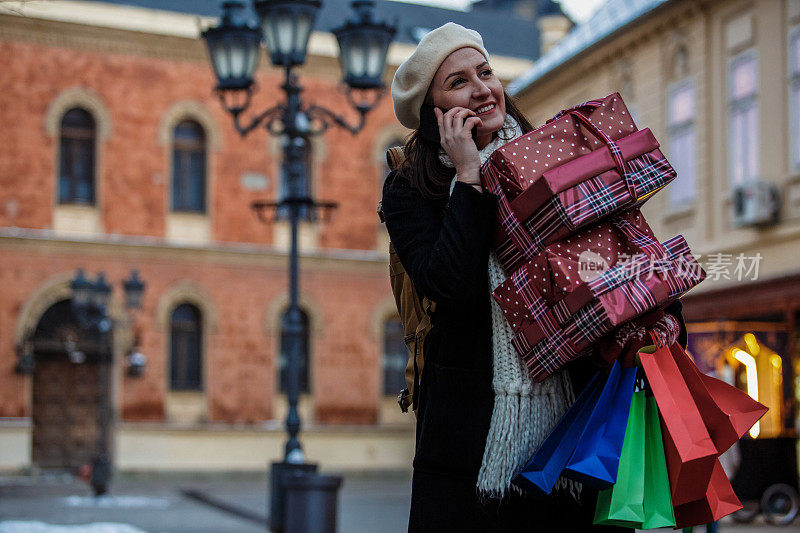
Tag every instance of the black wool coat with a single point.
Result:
(444, 247)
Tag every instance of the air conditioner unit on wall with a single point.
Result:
(755, 204)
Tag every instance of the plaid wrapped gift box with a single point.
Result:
(577, 290)
(586, 164)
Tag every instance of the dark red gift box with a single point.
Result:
(577, 290)
(586, 164)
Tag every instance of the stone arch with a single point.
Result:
(83, 98)
(272, 324)
(49, 293)
(190, 110)
(187, 292)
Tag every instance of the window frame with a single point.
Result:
(681, 128)
(741, 106)
(184, 149)
(793, 78)
(72, 143)
(182, 361)
(403, 349)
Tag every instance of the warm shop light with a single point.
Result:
(752, 343)
(776, 361)
(749, 363)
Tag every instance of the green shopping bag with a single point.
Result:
(623, 503)
(657, 499)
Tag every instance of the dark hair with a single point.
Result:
(422, 167)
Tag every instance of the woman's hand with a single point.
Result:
(455, 129)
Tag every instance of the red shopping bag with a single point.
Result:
(690, 452)
(719, 500)
(727, 411)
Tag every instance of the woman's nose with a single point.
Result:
(480, 89)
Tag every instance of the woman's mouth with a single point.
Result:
(483, 110)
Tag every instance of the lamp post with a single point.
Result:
(90, 304)
(285, 27)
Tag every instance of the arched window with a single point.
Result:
(77, 158)
(186, 348)
(395, 357)
(283, 358)
(189, 167)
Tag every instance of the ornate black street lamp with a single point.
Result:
(285, 26)
(90, 305)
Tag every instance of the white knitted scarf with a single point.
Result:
(525, 412)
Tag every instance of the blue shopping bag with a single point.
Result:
(544, 468)
(595, 460)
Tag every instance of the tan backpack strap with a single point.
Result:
(395, 157)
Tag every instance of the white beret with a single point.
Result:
(414, 76)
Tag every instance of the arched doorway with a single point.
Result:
(66, 391)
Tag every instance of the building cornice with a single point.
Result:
(241, 254)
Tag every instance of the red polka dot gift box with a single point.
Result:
(585, 164)
(573, 292)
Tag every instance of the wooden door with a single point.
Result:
(65, 407)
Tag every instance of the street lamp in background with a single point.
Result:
(285, 27)
(89, 302)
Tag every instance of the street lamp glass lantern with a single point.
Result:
(233, 47)
(363, 45)
(101, 291)
(134, 289)
(287, 26)
(81, 289)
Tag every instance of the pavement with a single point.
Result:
(165, 503)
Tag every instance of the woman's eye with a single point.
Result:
(486, 73)
(457, 81)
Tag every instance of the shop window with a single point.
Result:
(77, 158)
(682, 141)
(189, 168)
(186, 346)
(283, 358)
(743, 163)
(395, 357)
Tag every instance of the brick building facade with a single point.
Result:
(215, 274)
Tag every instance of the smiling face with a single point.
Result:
(465, 79)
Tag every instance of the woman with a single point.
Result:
(479, 416)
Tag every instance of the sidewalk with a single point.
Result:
(160, 503)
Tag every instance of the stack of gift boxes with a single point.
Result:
(580, 258)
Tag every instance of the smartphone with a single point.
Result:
(429, 126)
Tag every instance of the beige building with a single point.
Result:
(718, 83)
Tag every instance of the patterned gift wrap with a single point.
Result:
(577, 290)
(586, 164)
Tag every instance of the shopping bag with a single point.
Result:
(544, 468)
(727, 411)
(657, 501)
(689, 450)
(596, 457)
(622, 504)
(718, 501)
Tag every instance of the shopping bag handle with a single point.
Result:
(656, 339)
